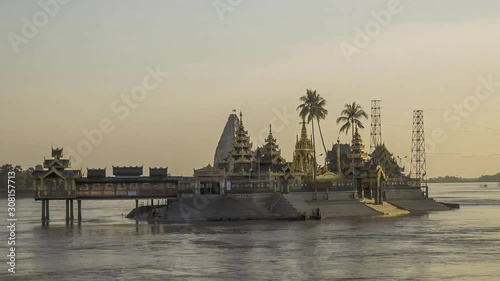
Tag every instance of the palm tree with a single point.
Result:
(313, 108)
(351, 116)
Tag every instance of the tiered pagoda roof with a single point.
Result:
(357, 153)
(96, 173)
(382, 156)
(241, 155)
(56, 166)
(158, 172)
(304, 143)
(270, 153)
(57, 161)
(127, 171)
(303, 156)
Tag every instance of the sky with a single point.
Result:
(157, 80)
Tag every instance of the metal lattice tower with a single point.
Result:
(418, 168)
(376, 127)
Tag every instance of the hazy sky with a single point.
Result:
(257, 56)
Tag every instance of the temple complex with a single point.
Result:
(248, 183)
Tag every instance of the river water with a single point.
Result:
(453, 245)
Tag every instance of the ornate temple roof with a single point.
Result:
(209, 171)
(127, 171)
(158, 172)
(303, 156)
(96, 173)
(357, 148)
(57, 153)
(60, 173)
(304, 143)
(270, 153)
(381, 155)
(57, 161)
(241, 155)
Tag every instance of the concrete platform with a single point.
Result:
(274, 206)
(419, 206)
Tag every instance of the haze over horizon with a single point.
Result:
(258, 57)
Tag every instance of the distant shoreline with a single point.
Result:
(453, 179)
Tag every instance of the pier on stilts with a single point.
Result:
(55, 181)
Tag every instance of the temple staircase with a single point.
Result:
(387, 209)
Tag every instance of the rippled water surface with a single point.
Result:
(453, 245)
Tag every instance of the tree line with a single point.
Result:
(451, 179)
(23, 179)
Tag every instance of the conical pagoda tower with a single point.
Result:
(226, 140)
(241, 156)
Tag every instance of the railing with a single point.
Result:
(107, 192)
(253, 187)
(54, 193)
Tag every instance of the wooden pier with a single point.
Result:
(98, 193)
(56, 181)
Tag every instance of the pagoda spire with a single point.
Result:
(304, 130)
(241, 119)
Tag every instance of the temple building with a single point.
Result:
(55, 179)
(303, 156)
(269, 156)
(382, 156)
(356, 157)
(351, 162)
(243, 168)
(241, 157)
